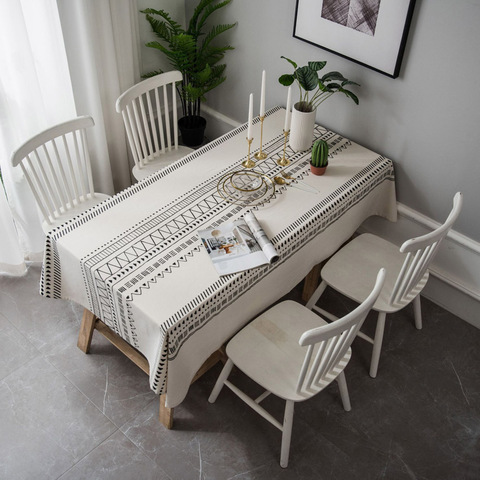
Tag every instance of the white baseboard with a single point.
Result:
(454, 282)
(455, 272)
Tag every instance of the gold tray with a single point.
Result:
(246, 187)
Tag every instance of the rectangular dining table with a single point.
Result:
(137, 264)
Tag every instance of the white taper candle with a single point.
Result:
(262, 95)
(250, 117)
(288, 113)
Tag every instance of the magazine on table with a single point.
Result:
(237, 246)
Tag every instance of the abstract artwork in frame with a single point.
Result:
(372, 33)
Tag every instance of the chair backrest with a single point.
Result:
(57, 167)
(148, 131)
(420, 252)
(328, 344)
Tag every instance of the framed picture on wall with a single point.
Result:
(372, 33)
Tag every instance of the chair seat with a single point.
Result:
(73, 212)
(267, 349)
(162, 161)
(351, 271)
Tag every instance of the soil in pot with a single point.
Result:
(192, 130)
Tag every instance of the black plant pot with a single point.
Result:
(192, 130)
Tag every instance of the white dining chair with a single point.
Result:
(56, 165)
(149, 131)
(294, 354)
(407, 274)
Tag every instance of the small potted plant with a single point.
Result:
(314, 90)
(319, 161)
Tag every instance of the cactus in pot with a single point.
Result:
(319, 161)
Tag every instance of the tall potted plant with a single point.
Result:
(194, 53)
(314, 90)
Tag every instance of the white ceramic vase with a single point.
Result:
(301, 129)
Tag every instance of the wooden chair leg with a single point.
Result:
(86, 331)
(316, 295)
(287, 433)
(417, 311)
(342, 386)
(220, 381)
(377, 344)
(166, 414)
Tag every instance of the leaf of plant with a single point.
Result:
(215, 31)
(350, 94)
(349, 82)
(307, 78)
(286, 80)
(152, 74)
(331, 87)
(316, 65)
(333, 76)
(204, 75)
(175, 27)
(208, 9)
(290, 61)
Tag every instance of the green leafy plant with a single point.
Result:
(191, 51)
(314, 89)
(320, 153)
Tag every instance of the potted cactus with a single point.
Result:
(319, 161)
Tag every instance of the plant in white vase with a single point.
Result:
(314, 90)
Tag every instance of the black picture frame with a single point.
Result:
(375, 38)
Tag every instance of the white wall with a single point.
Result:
(427, 120)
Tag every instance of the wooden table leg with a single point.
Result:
(90, 323)
(166, 414)
(86, 330)
(311, 282)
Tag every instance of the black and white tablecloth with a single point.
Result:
(137, 262)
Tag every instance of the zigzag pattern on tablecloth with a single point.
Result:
(118, 270)
(226, 289)
(51, 277)
(159, 245)
(155, 248)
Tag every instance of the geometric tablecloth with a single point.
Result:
(137, 263)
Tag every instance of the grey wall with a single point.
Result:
(427, 120)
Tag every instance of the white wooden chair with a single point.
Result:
(149, 132)
(407, 274)
(294, 354)
(56, 164)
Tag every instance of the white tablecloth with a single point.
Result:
(137, 263)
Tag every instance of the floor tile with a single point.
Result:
(110, 380)
(115, 459)
(15, 349)
(38, 401)
(64, 414)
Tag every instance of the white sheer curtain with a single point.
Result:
(35, 93)
(60, 59)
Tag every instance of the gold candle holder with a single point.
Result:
(261, 155)
(248, 163)
(284, 161)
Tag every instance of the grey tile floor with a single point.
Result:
(66, 415)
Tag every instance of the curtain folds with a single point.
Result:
(31, 99)
(101, 40)
(60, 59)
